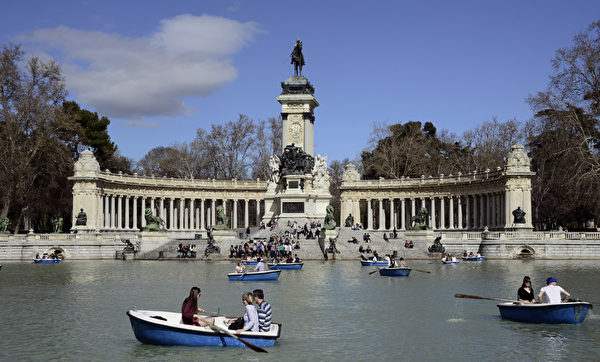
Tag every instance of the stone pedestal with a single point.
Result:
(150, 240)
(224, 235)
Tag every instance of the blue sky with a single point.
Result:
(160, 70)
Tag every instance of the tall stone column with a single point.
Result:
(432, 218)
(369, 215)
(412, 208)
(459, 212)
(106, 211)
(112, 212)
(134, 213)
(381, 216)
(181, 217)
(403, 214)
(202, 218)
(235, 220)
(392, 214)
(119, 213)
(494, 217)
(257, 212)
(170, 213)
(423, 205)
(482, 209)
(451, 212)
(162, 208)
(246, 214)
(442, 213)
(468, 212)
(192, 213)
(143, 212)
(152, 206)
(127, 212)
(213, 210)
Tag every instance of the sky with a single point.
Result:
(159, 70)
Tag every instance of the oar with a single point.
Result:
(241, 276)
(222, 330)
(478, 297)
(374, 271)
(422, 271)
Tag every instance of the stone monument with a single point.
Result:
(86, 194)
(518, 190)
(298, 188)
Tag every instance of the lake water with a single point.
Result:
(75, 310)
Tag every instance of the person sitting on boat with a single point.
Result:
(401, 263)
(250, 319)
(453, 258)
(289, 259)
(240, 268)
(189, 310)
(388, 260)
(393, 262)
(465, 254)
(297, 259)
(260, 266)
(471, 255)
(446, 257)
(478, 255)
(37, 256)
(552, 291)
(525, 293)
(375, 255)
(264, 311)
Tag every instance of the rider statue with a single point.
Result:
(297, 58)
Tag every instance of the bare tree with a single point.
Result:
(268, 143)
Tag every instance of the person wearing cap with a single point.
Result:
(260, 266)
(552, 291)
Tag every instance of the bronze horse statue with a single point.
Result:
(297, 58)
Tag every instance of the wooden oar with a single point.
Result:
(222, 330)
(422, 271)
(373, 272)
(478, 297)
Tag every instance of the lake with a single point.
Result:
(75, 310)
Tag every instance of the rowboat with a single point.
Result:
(450, 262)
(166, 329)
(288, 266)
(395, 272)
(254, 275)
(475, 258)
(246, 262)
(46, 261)
(568, 312)
(373, 263)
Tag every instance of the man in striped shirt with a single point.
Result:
(264, 311)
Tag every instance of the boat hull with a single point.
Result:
(249, 262)
(173, 333)
(286, 266)
(570, 312)
(481, 258)
(252, 276)
(373, 263)
(450, 262)
(46, 261)
(395, 272)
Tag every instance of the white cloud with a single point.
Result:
(142, 77)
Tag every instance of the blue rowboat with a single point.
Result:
(395, 272)
(569, 312)
(254, 262)
(166, 329)
(46, 261)
(254, 275)
(480, 258)
(286, 266)
(450, 262)
(373, 263)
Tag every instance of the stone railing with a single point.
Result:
(59, 237)
(512, 235)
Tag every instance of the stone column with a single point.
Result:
(224, 206)
(112, 212)
(127, 212)
(181, 210)
(432, 218)
(106, 212)
(152, 206)
(475, 213)
(369, 215)
(392, 215)
(246, 214)
(202, 218)
(488, 220)
(258, 212)
(134, 213)
(143, 212)
(213, 210)
(192, 213)
(494, 220)
(423, 202)
(235, 221)
(442, 213)
(403, 215)
(481, 212)
(459, 212)
(162, 208)
(467, 212)
(381, 225)
(412, 209)
(451, 212)
(171, 213)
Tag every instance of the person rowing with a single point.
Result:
(552, 292)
